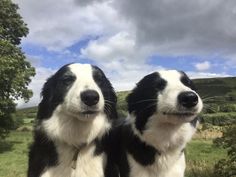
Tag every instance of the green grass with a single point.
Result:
(14, 154)
(200, 154)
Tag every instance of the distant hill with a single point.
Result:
(213, 90)
(216, 87)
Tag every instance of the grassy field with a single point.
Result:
(14, 153)
(200, 154)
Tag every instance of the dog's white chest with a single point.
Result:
(88, 164)
(164, 166)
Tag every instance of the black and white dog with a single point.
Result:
(163, 110)
(78, 103)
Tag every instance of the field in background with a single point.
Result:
(219, 96)
(201, 156)
(14, 154)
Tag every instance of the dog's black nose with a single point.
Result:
(188, 99)
(90, 97)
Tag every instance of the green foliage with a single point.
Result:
(15, 71)
(228, 108)
(220, 119)
(227, 167)
(12, 27)
(122, 104)
(211, 108)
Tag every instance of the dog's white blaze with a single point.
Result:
(84, 80)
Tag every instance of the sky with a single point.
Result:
(129, 39)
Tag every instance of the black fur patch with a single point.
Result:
(194, 122)
(122, 141)
(54, 91)
(142, 101)
(186, 81)
(42, 154)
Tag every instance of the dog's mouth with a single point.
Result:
(89, 112)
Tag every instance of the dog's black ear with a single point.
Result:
(47, 91)
(113, 98)
(142, 101)
(107, 91)
(45, 106)
(145, 92)
(187, 81)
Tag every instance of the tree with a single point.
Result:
(15, 71)
(12, 27)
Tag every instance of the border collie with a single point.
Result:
(78, 104)
(163, 110)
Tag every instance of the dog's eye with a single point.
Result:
(67, 80)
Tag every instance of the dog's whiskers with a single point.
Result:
(107, 101)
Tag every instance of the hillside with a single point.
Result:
(217, 91)
(220, 87)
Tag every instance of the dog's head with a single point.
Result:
(81, 90)
(169, 96)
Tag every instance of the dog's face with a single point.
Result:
(81, 90)
(170, 95)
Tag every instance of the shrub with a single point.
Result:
(220, 119)
(227, 167)
(211, 108)
(228, 108)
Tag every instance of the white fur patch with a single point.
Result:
(89, 165)
(73, 131)
(171, 165)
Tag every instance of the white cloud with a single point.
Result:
(57, 25)
(195, 75)
(124, 76)
(203, 66)
(121, 46)
(200, 27)
(163, 27)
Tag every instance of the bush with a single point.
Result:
(228, 108)
(227, 167)
(220, 119)
(211, 108)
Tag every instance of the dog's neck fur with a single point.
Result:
(72, 131)
(164, 137)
